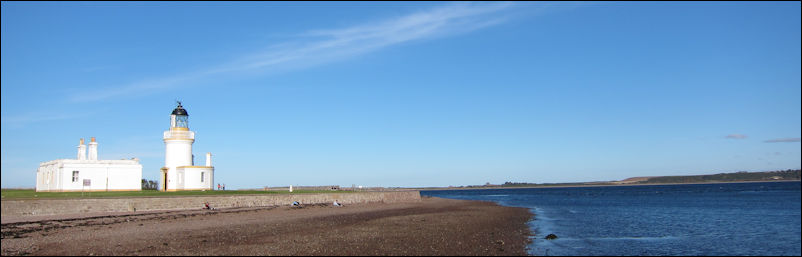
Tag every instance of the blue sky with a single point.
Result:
(407, 94)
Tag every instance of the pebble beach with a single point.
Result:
(434, 226)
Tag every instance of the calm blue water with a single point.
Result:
(706, 219)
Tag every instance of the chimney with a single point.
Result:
(81, 150)
(208, 159)
(93, 150)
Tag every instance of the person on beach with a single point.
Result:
(218, 186)
(206, 206)
(336, 203)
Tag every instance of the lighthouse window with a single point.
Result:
(74, 176)
(202, 176)
(181, 121)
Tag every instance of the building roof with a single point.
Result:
(90, 162)
(179, 110)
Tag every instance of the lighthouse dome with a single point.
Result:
(180, 110)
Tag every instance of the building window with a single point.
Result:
(202, 177)
(74, 176)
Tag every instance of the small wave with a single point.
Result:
(496, 195)
(635, 238)
(613, 238)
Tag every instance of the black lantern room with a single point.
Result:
(180, 117)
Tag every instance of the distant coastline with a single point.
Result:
(596, 185)
(736, 177)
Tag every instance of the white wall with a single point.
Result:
(192, 178)
(178, 153)
(126, 178)
(104, 175)
(47, 177)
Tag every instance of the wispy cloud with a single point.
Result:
(736, 136)
(322, 46)
(784, 140)
(138, 88)
(19, 121)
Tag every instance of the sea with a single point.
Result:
(693, 219)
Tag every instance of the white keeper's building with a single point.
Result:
(88, 173)
(179, 171)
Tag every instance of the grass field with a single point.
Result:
(9, 194)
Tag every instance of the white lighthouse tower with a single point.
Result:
(179, 171)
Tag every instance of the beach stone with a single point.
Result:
(551, 237)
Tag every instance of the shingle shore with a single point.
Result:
(433, 226)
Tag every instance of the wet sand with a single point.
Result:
(434, 226)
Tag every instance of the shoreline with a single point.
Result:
(633, 184)
(434, 226)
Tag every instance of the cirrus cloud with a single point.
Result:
(736, 136)
(784, 140)
(321, 46)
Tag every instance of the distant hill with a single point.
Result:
(741, 176)
(721, 177)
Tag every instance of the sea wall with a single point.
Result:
(39, 207)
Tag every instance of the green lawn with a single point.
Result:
(32, 194)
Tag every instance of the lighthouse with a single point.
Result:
(179, 171)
